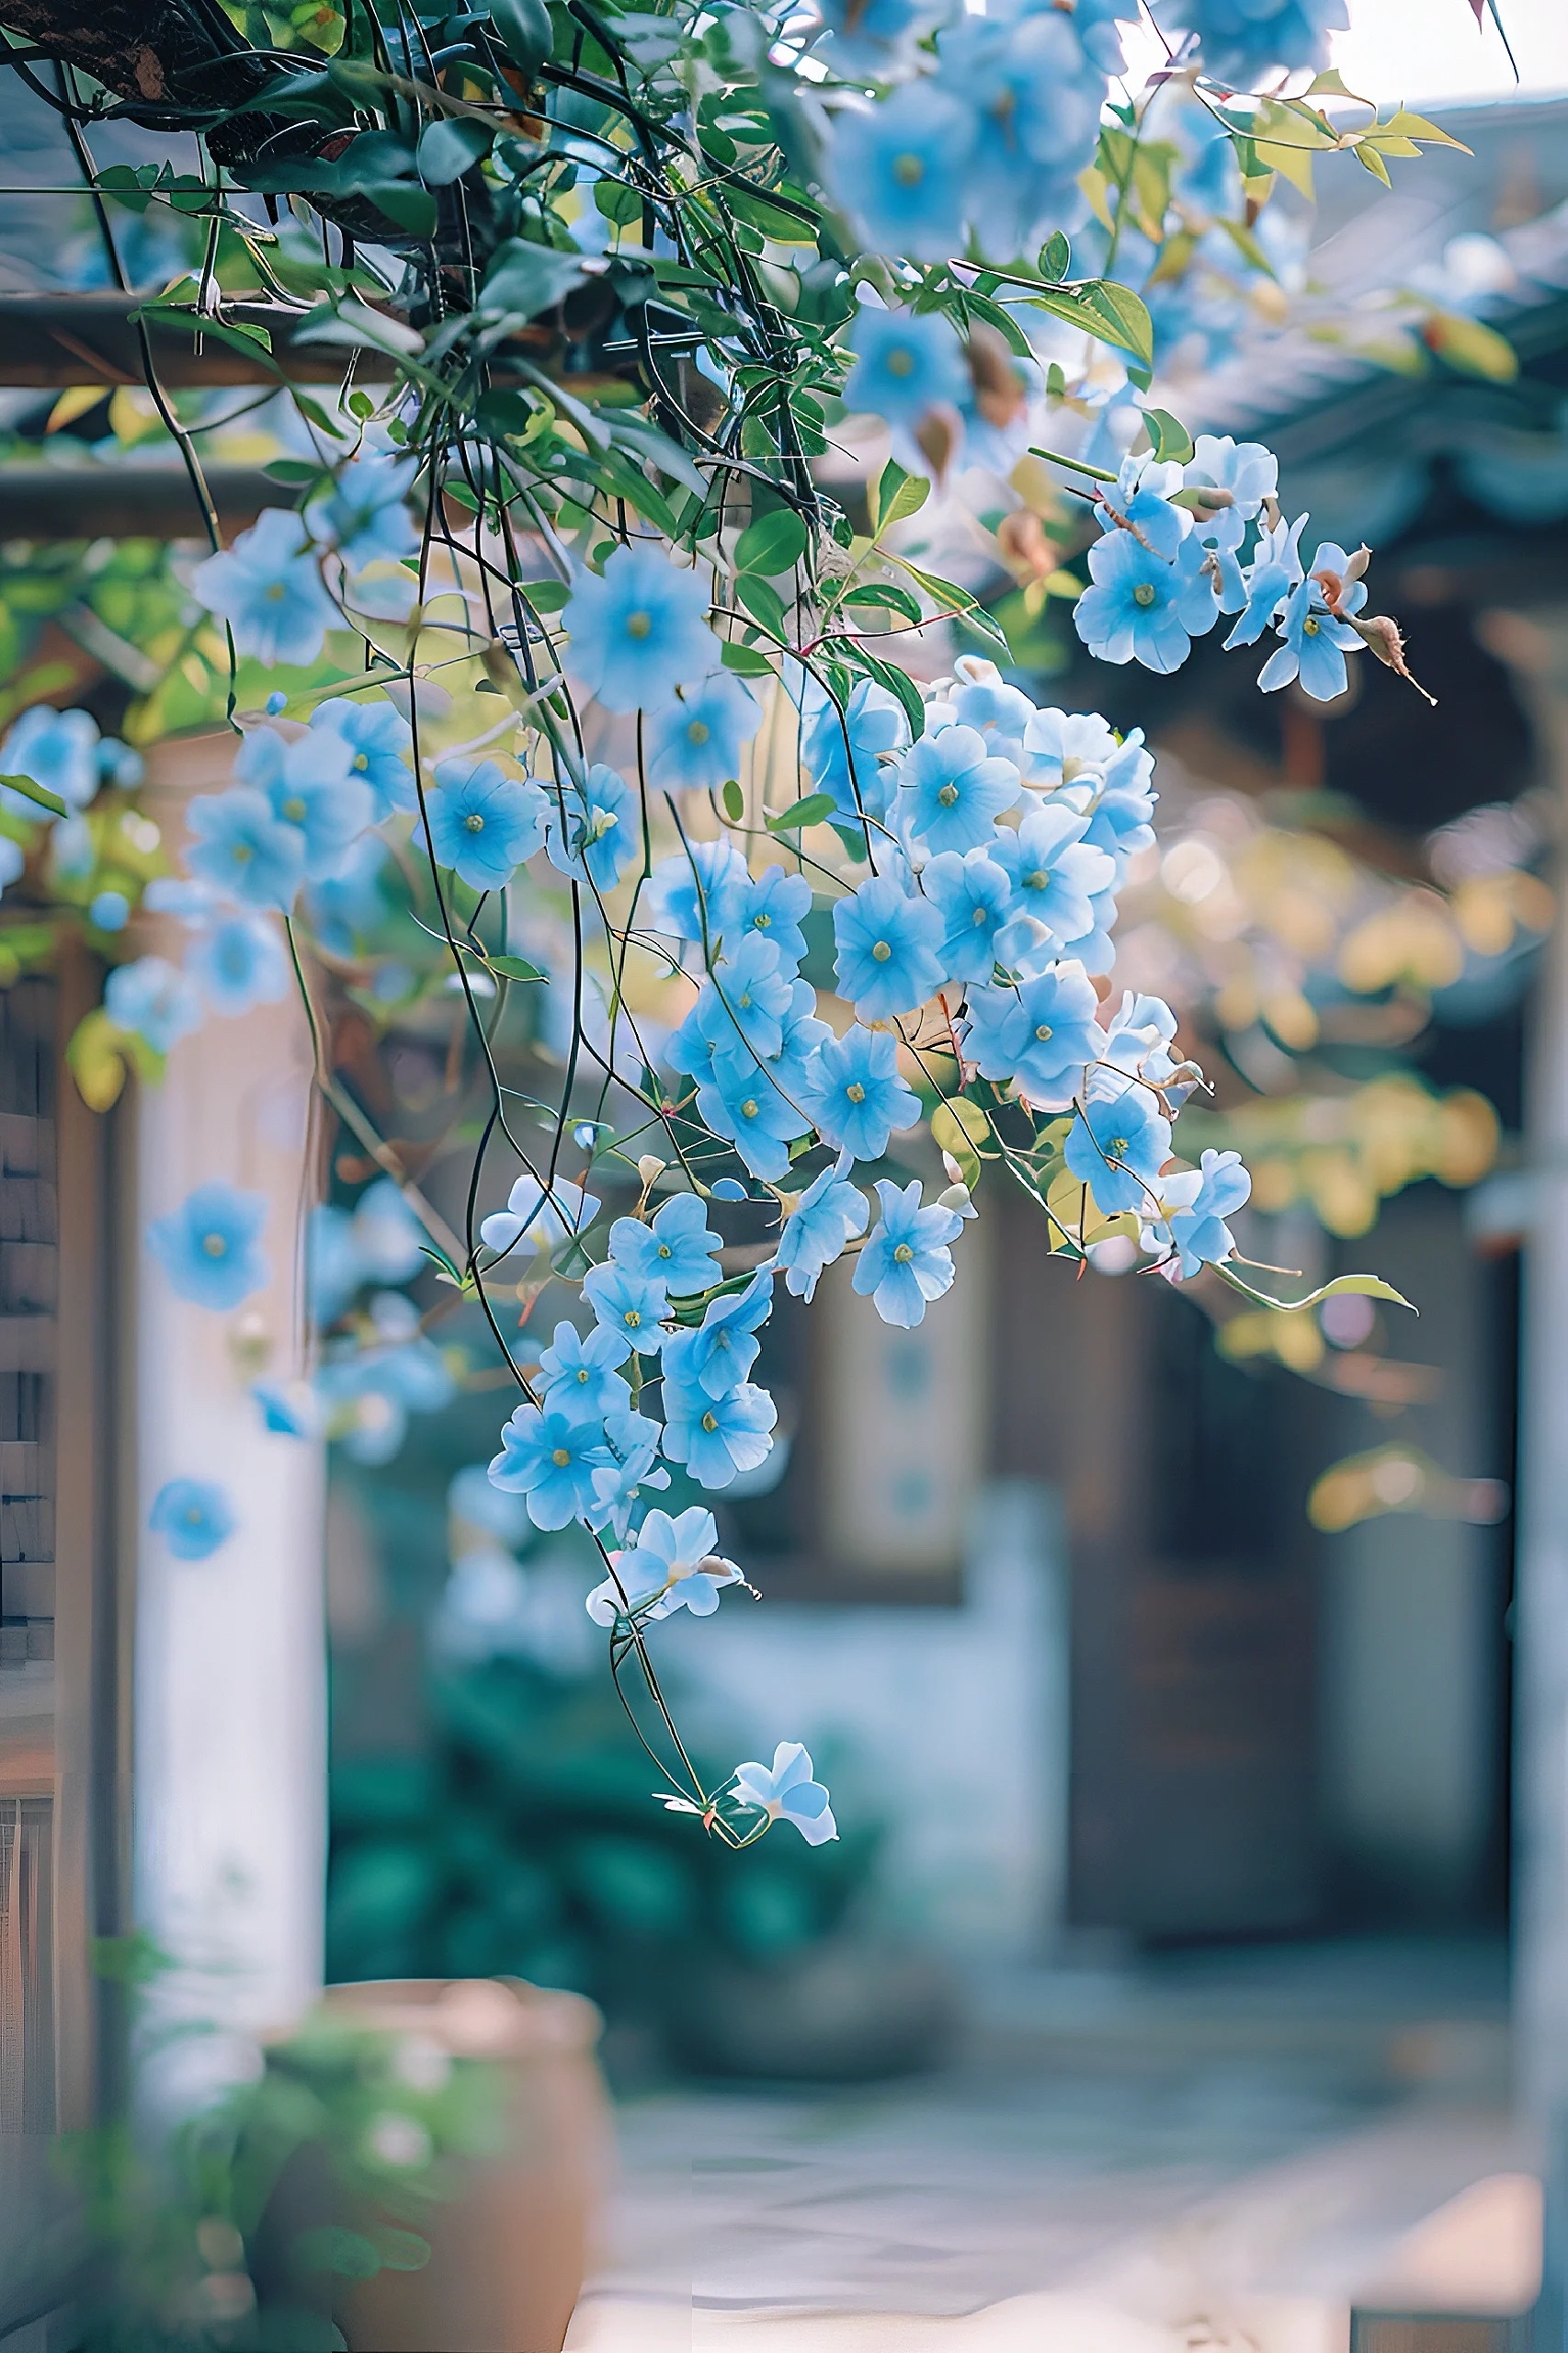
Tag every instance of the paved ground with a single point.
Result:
(1176, 2140)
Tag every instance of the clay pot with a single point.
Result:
(507, 2253)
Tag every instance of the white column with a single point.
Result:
(230, 1686)
(1537, 650)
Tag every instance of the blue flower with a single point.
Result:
(1061, 746)
(888, 942)
(377, 735)
(695, 744)
(858, 1094)
(308, 781)
(774, 908)
(973, 895)
(1243, 41)
(1315, 640)
(350, 901)
(904, 363)
(639, 629)
(210, 1246)
(58, 749)
(1118, 1147)
(551, 1458)
(678, 1248)
(628, 1304)
(699, 895)
(1143, 608)
(109, 911)
(243, 850)
(1043, 1034)
(757, 1107)
(845, 754)
(1055, 873)
(267, 588)
(1123, 808)
(906, 1262)
(633, 1442)
(1197, 1230)
(749, 999)
(901, 170)
(483, 824)
(981, 697)
(152, 1000)
(952, 790)
(723, 1349)
(1038, 98)
(364, 516)
(828, 1215)
(673, 1564)
(1274, 571)
(601, 836)
(193, 1517)
(288, 1408)
(716, 1438)
(785, 1791)
(578, 1376)
(240, 963)
(540, 1215)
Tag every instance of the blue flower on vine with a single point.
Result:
(1055, 875)
(742, 1100)
(152, 1000)
(695, 743)
(829, 1215)
(1197, 1227)
(483, 824)
(238, 963)
(1118, 1146)
(244, 850)
(59, 750)
(269, 589)
(716, 1438)
(774, 908)
(973, 895)
(904, 363)
(785, 1791)
(888, 941)
(699, 893)
(578, 1376)
(674, 1564)
(378, 736)
(628, 1305)
(638, 629)
(194, 1517)
(1043, 1033)
(210, 1247)
(365, 515)
(901, 170)
(1317, 640)
(952, 790)
(719, 1354)
(858, 1097)
(848, 754)
(551, 1458)
(309, 781)
(1141, 606)
(540, 1215)
(678, 1248)
(906, 1262)
(602, 833)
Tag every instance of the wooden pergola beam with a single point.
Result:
(50, 341)
(129, 502)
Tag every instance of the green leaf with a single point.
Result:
(763, 602)
(544, 596)
(894, 496)
(38, 793)
(1168, 438)
(1111, 313)
(516, 967)
(734, 801)
(745, 661)
(525, 31)
(812, 811)
(448, 148)
(411, 208)
(1341, 1287)
(523, 279)
(1055, 255)
(897, 682)
(784, 227)
(623, 206)
(773, 544)
(883, 596)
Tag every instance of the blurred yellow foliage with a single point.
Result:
(1344, 1155)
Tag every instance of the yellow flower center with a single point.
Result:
(561, 1458)
(1042, 1031)
(582, 1375)
(902, 1254)
(214, 1246)
(294, 810)
(663, 1250)
(909, 170)
(474, 823)
(748, 1109)
(1118, 1146)
(1310, 626)
(1145, 593)
(761, 922)
(900, 361)
(709, 1421)
(855, 1091)
(1038, 880)
(639, 624)
(632, 1319)
(881, 952)
(274, 592)
(978, 917)
(242, 853)
(362, 761)
(948, 795)
(698, 731)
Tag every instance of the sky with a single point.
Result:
(1415, 50)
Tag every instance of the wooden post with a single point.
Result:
(230, 1653)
